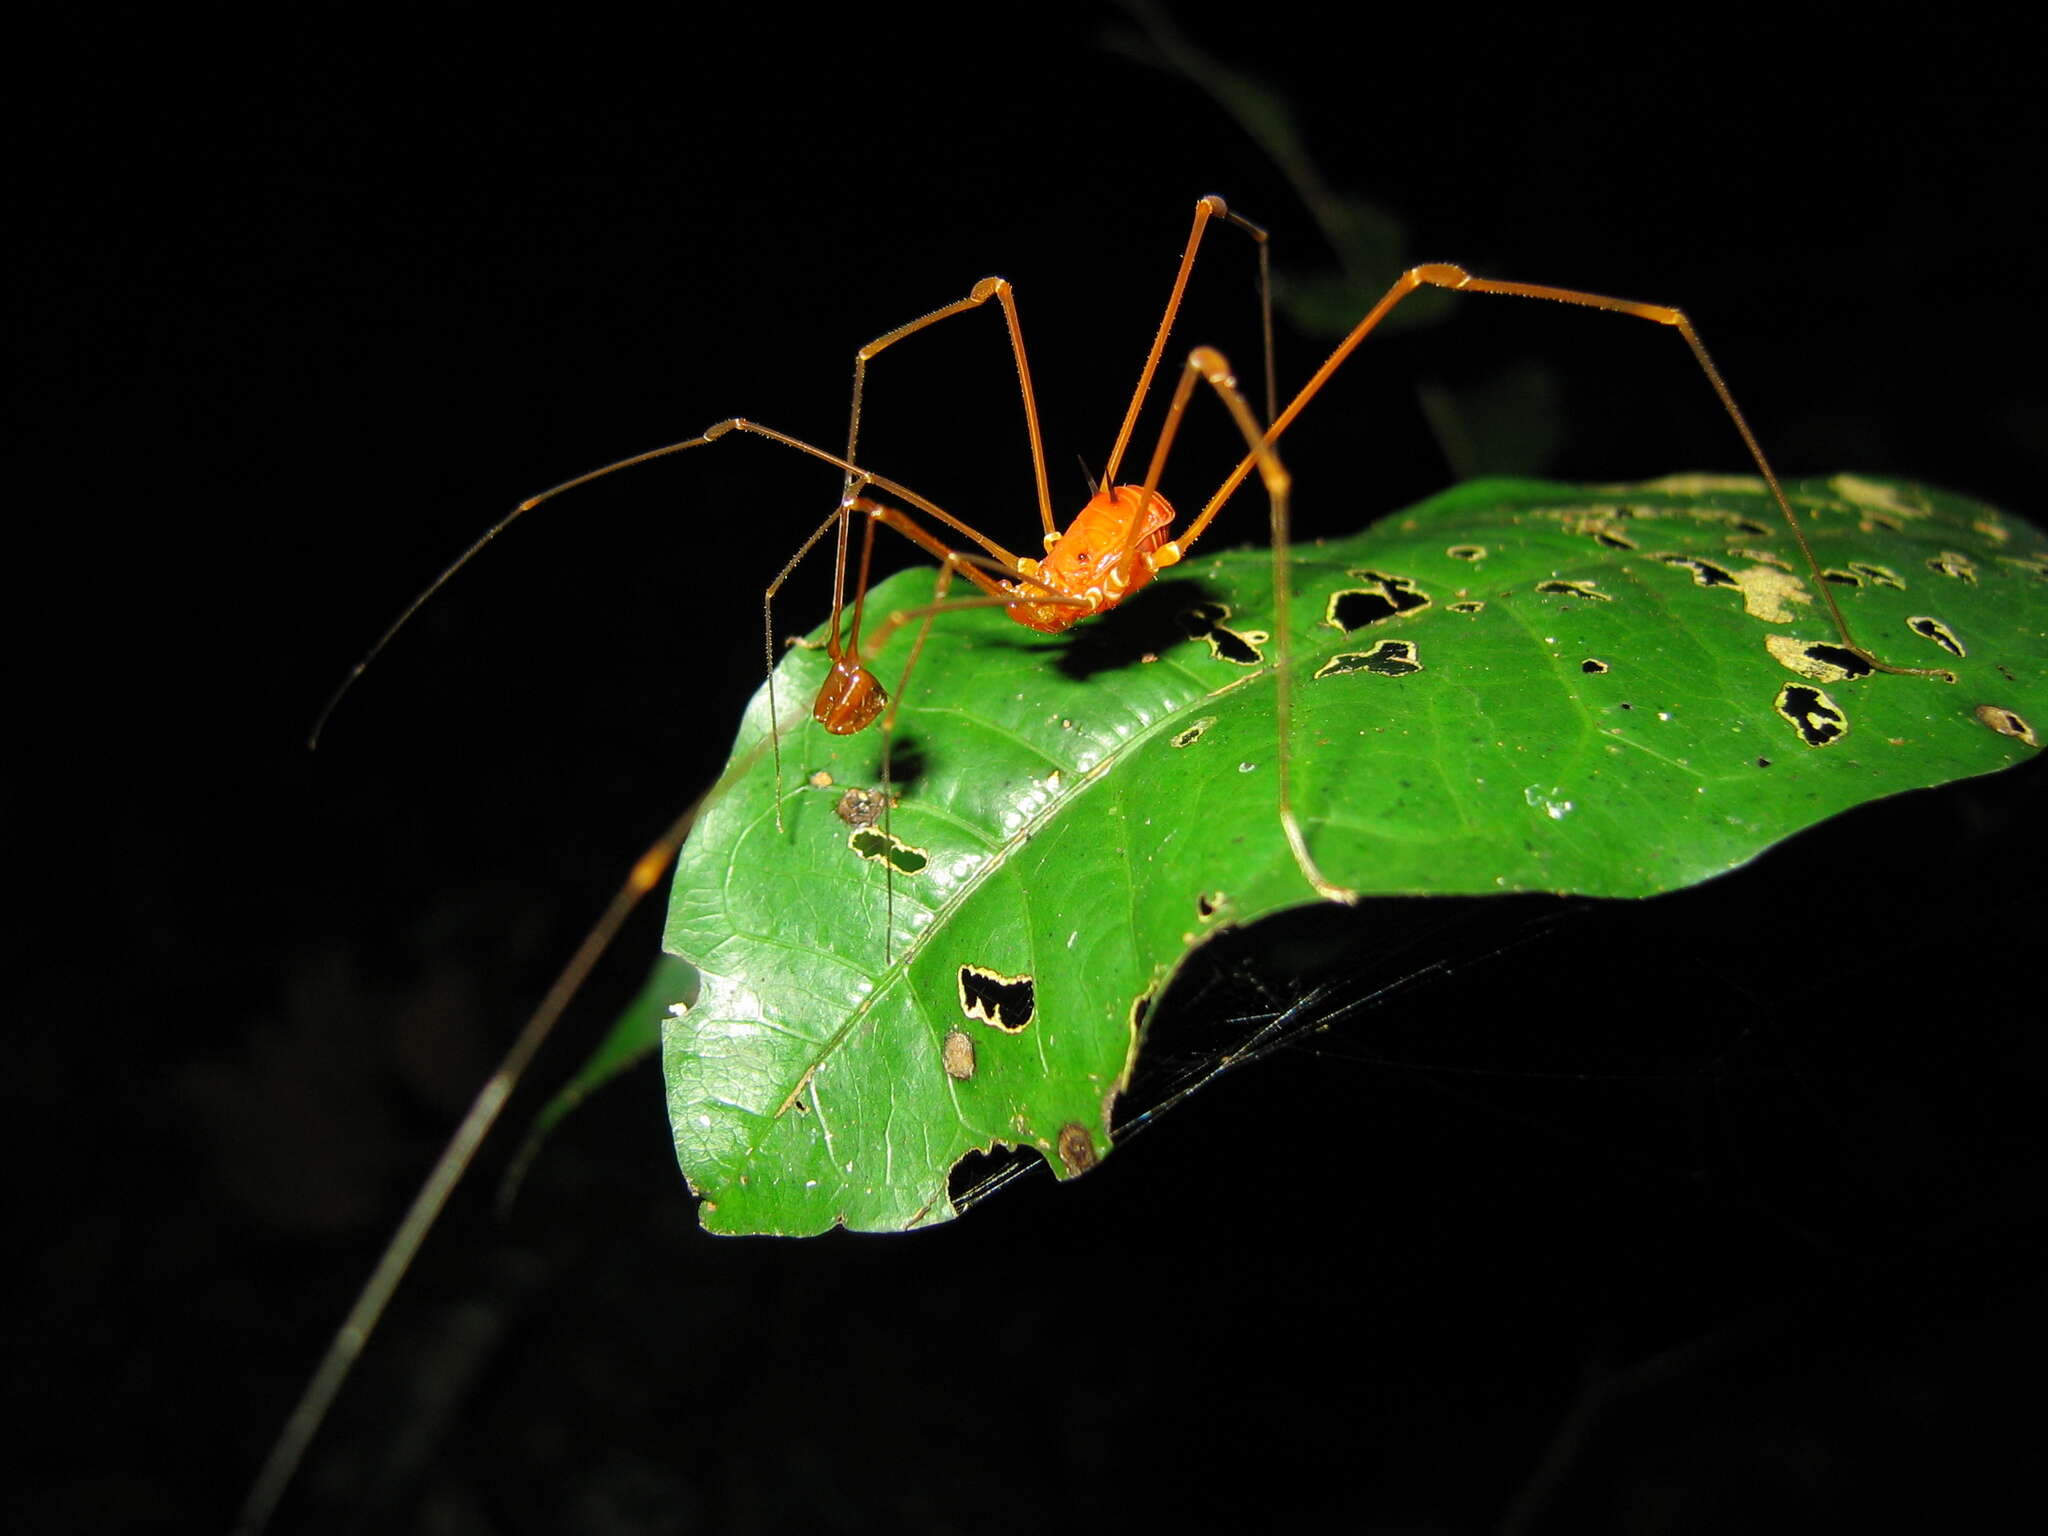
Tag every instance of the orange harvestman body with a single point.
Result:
(1120, 540)
(1112, 549)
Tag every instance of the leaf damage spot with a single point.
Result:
(1588, 590)
(2007, 723)
(821, 780)
(1954, 566)
(1817, 659)
(1004, 1002)
(1076, 1148)
(1933, 629)
(1877, 575)
(956, 1055)
(1809, 711)
(1547, 801)
(1704, 485)
(1769, 594)
(1590, 522)
(1593, 666)
(2035, 566)
(1241, 647)
(1470, 605)
(1193, 733)
(1705, 573)
(1760, 556)
(1383, 597)
(1389, 658)
(883, 848)
(859, 807)
(1467, 551)
(1874, 495)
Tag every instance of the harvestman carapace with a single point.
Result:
(1117, 543)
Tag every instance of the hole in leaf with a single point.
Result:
(1819, 660)
(1816, 717)
(1389, 658)
(2007, 723)
(981, 1173)
(1384, 597)
(1007, 1003)
(1877, 575)
(1225, 644)
(1582, 589)
(873, 843)
(1704, 572)
(1938, 632)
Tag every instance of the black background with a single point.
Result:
(1671, 1217)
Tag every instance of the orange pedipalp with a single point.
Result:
(1104, 556)
(850, 697)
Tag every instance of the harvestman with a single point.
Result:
(1117, 543)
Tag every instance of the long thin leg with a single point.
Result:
(709, 435)
(1206, 208)
(1208, 364)
(979, 569)
(836, 521)
(1003, 561)
(950, 561)
(965, 565)
(883, 631)
(930, 509)
(405, 615)
(850, 697)
(1265, 309)
(348, 1342)
(851, 675)
(856, 480)
(1444, 275)
(989, 287)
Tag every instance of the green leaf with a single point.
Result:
(1515, 686)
